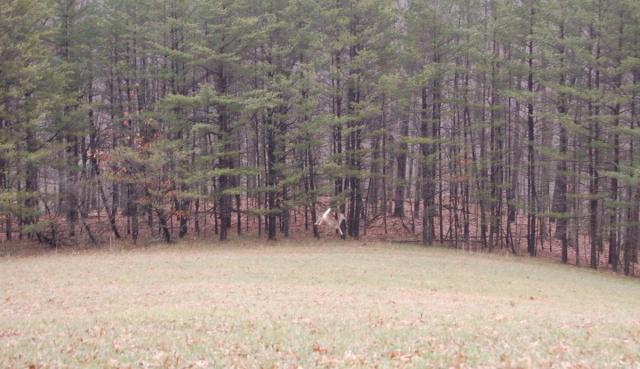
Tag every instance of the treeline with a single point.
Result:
(501, 122)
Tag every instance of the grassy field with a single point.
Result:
(318, 305)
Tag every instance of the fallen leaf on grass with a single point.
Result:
(203, 364)
(319, 349)
(402, 356)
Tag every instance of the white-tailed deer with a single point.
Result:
(334, 221)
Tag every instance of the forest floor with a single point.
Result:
(312, 305)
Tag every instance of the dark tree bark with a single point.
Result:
(531, 168)
(613, 191)
(354, 147)
(560, 190)
(594, 156)
(427, 175)
(225, 162)
(401, 170)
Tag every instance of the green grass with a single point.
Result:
(317, 305)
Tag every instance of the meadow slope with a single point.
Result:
(312, 306)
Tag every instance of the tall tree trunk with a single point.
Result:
(613, 197)
(31, 181)
(531, 172)
(594, 157)
(427, 178)
(401, 169)
(225, 181)
(272, 180)
(633, 191)
(355, 139)
(560, 188)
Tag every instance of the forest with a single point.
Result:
(495, 124)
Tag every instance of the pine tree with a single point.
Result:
(29, 102)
